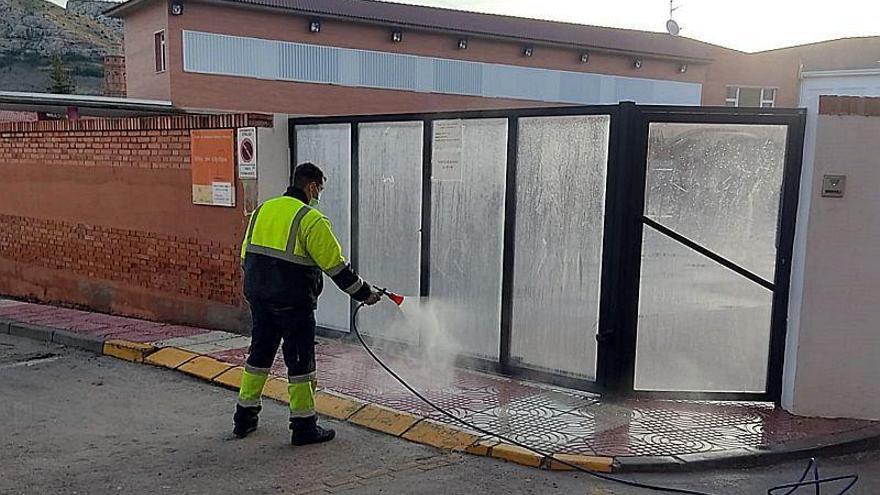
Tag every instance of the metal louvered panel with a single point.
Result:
(220, 54)
(297, 62)
(458, 77)
(230, 55)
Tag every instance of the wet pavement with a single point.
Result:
(549, 418)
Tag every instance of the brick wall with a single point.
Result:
(99, 213)
(849, 105)
(178, 265)
(146, 149)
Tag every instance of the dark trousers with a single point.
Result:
(273, 325)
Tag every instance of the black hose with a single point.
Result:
(658, 488)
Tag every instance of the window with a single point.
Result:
(768, 97)
(159, 50)
(750, 97)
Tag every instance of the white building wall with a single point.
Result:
(833, 310)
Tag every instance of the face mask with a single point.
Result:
(315, 201)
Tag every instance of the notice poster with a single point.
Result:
(213, 167)
(446, 147)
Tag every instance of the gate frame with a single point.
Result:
(622, 243)
(631, 222)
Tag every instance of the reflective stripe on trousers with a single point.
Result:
(253, 380)
(301, 389)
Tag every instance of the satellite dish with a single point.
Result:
(672, 27)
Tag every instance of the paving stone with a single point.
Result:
(335, 406)
(383, 419)
(204, 367)
(516, 455)
(230, 378)
(206, 348)
(170, 357)
(204, 338)
(440, 436)
(647, 463)
(129, 351)
(590, 463)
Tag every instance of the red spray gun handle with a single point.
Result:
(395, 298)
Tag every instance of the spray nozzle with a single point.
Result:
(395, 298)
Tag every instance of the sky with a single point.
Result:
(748, 25)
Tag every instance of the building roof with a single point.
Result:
(843, 54)
(479, 24)
(96, 106)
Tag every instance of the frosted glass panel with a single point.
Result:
(329, 147)
(719, 185)
(561, 165)
(702, 327)
(467, 222)
(390, 188)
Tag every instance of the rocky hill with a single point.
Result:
(31, 31)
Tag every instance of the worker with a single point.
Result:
(288, 246)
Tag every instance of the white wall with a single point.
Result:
(273, 159)
(812, 86)
(833, 343)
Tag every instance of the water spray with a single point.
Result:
(785, 489)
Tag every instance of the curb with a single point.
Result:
(129, 351)
(851, 442)
(424, 431)
(57, 336)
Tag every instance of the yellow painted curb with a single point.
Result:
(129, 351)
(169, 357)
(276, 388)
(440, 436)
(383, 419)
(515, 454)
(230, 378)
(375, 417)
(204, 367)
(481, 448)
(590, 463)
(335, 406)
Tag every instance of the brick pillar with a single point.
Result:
(114, 75)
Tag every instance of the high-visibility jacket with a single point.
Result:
(287, 247)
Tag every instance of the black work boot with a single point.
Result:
(306, 431)
(245, 419)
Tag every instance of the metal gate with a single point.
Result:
(626, 249)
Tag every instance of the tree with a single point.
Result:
(62, 82)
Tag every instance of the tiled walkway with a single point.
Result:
(555, 419)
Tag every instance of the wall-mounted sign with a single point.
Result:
(247, 153)
(213, 167)
(446, 148)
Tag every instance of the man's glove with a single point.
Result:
(373, 298)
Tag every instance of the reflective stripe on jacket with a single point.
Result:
(286, 247)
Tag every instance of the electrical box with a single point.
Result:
(833, 186)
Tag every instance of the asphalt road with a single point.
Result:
(75, 423)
